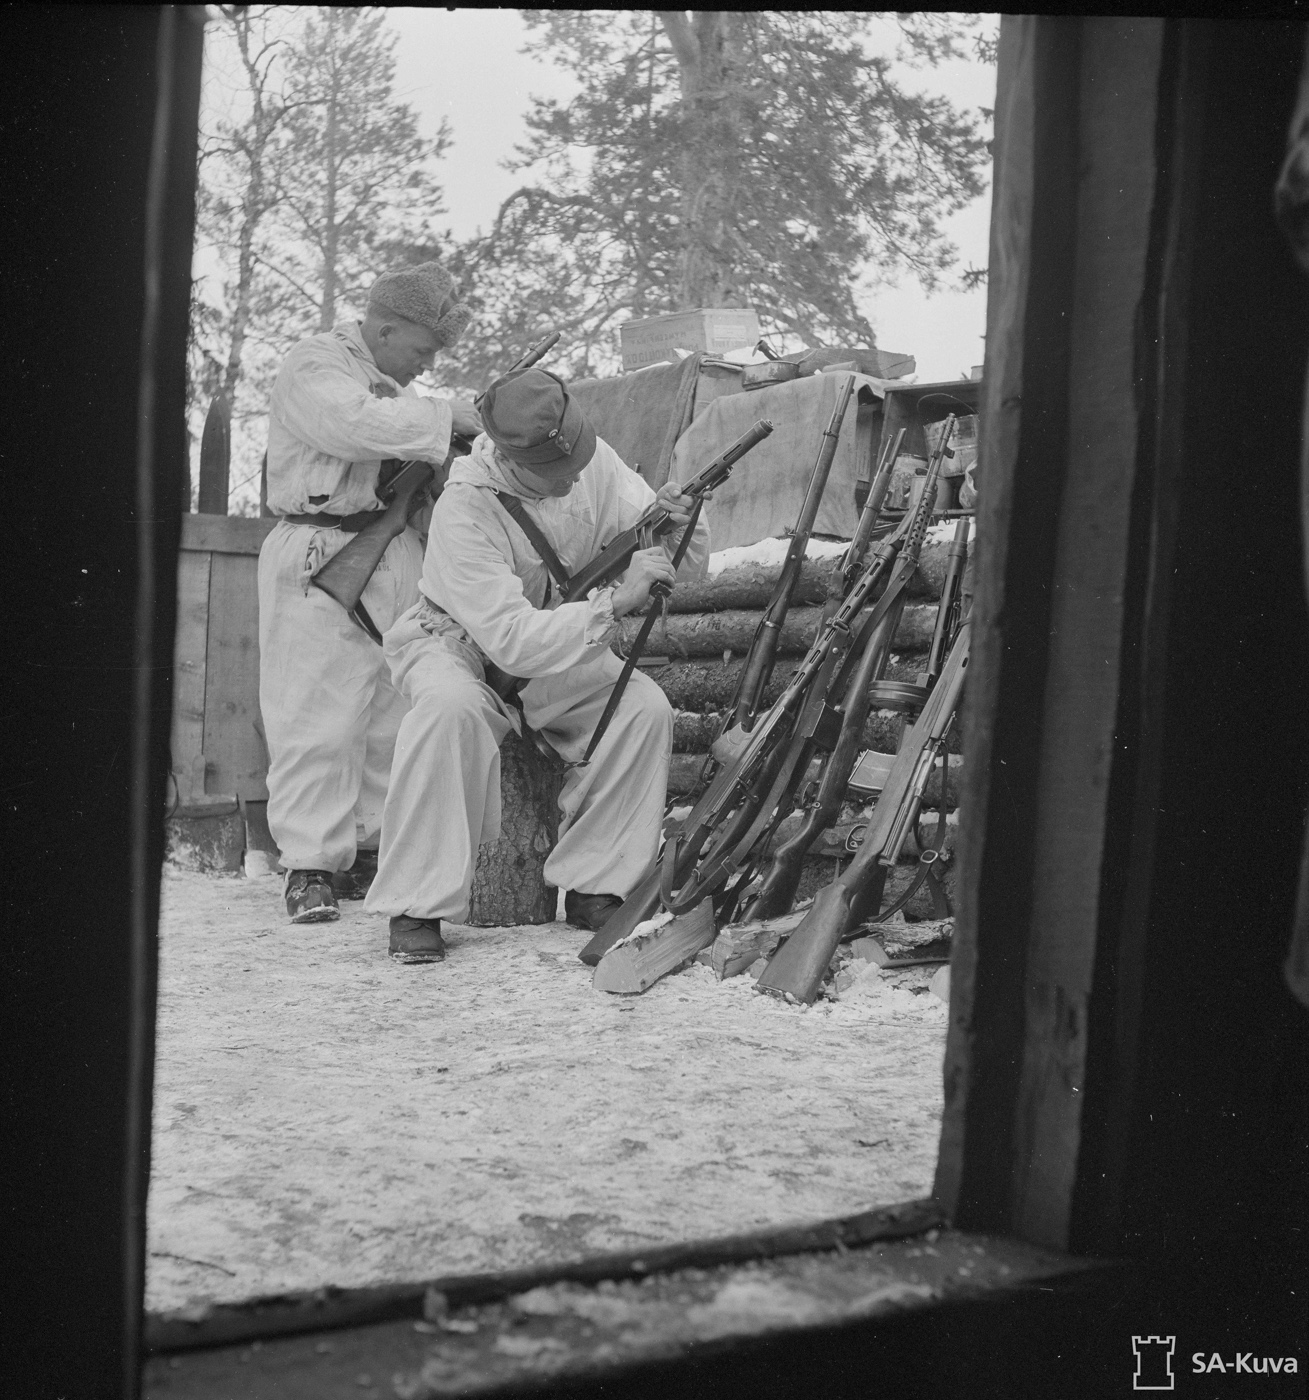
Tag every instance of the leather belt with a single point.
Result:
(351, 524)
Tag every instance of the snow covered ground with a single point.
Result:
(323, 1115)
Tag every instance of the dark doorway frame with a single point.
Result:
(1125, 1070)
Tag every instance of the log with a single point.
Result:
(652, 951)
(509, 885)
(751, 585)
(906, 944)
(684, 776)
(699, 684)
(713, 633)
(738, 946)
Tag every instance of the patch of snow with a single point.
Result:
(772, 551)
(648, 926)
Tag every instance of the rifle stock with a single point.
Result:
(346, 574)
(797, 969)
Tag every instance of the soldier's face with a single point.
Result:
(404, 350)
(556, 484)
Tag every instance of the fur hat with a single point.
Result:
(424, 294)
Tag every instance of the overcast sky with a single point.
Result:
(465, 65)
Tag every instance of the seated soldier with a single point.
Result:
(487, 596)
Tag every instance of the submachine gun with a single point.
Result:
(346, 574)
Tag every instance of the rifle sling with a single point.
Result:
(553, 564)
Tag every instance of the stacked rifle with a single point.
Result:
(796, 758)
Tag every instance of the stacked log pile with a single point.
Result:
(705, 638)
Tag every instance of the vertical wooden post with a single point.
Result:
(1117, 1004)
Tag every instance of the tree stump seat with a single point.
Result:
(509, 883)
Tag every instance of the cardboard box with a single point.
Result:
(713, 330)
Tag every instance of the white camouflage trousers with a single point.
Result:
(444, 797)
(330, 711)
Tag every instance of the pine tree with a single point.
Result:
(719, 158)
(310, 173)
(356, 174)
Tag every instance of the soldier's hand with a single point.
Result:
(648, 566)
(676, 502)
(465, 419)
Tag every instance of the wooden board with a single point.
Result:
(225, 534)
(188, 726)
(642, 958)
(234, 751)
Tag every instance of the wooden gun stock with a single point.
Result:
(346, 574)
(799, 965)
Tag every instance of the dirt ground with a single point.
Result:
(323, 1115)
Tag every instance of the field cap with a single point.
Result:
(534, 421)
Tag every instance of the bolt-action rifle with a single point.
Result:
(346, 574)
(740, 801)
(797, 968)
(763, 648)
(776, 892)
(614, 558)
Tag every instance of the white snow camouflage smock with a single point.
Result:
(332, 419)
(486, 583)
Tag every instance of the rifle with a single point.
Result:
(840, 585)
(796, 970)
(745, 780)
(617, 554)
(346, 574)
(868, 517)
(659, 592)
(947, 614)
(776, 893)
(763, 648)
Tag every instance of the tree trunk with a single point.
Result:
(327, 308)
(709, 51)
(508, 886)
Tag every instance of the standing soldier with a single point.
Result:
(342, 404)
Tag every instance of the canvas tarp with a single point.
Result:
(642, 414)
(762, 498)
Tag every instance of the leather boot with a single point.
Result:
(589, 911)
(309, 897)
(416, 940)
(354, 883)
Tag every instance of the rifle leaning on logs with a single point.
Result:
(851, 564)
(776, 892)
(751, 763)
(863, 651)
(797, 969)
(346, 574)
(763, 648)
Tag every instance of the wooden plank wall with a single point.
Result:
(217, 745)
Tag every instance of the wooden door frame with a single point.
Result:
(1063, 1040)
